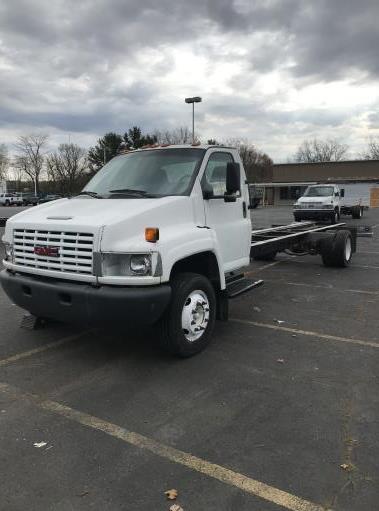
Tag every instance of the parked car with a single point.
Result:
(10, 199)
(29, 199)
(49, 197)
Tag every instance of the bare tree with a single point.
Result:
(30, 150)
(312, 151)
(67, 167)
(372, 151)
(257, 164)
(4, 162)
(181, 135)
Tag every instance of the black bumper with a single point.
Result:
(313, 215)
(83, 303)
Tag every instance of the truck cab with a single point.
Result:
(319, 202)
(153, 238)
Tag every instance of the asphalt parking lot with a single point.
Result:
(280, 412)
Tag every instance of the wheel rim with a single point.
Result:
(195, 315)
(348, 249)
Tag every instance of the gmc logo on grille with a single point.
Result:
(46, 251)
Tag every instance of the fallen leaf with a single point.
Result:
(176, 507)
(347, 466)
(171, 494)
(280, 360)
(279, 321)
(39, 444)
(257, 309)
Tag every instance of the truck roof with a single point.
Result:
(178, 146)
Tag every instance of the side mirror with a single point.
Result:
(233, 181)
(343, 192)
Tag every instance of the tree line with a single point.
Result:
(68, 168)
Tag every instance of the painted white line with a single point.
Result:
(321, 286)
(316, 335)
(294, 259)
(218, 472)
(40, 349)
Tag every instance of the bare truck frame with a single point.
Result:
(335, 243)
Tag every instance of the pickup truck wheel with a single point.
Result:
(338, 251)
(7, 203)
(335, 216)
(356, 212)
(187, 325)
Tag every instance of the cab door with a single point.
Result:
(229, 220)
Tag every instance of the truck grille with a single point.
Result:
(73, 250)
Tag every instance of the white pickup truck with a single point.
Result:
(10, 199)
(327, 202)
(158, 236)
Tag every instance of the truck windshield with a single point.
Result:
(319, 191)
(150, 173)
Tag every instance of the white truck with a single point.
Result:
(10, 199)
(327, 202)
(158, 236)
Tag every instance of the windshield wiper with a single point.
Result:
(95, 195)
(133, 192)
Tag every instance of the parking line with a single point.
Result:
(40, 349)
(319, 335)
(218, 472)
(293, 259)
(330, 287)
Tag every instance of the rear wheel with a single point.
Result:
(187, 325)
(357, 212)
(7, 203)
(335, 217)
(337, 251)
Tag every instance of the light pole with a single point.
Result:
(193, 100)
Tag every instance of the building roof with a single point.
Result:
(350, 170)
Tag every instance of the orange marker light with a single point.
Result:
(152, 234)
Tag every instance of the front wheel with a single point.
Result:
(335, 217)
(187, 325)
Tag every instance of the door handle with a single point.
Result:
(244, 209)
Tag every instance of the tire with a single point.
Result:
(335, 217)
(178, 335)
(357, 213)
(7, 203)
(337, 251)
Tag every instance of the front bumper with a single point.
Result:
(83, 303)
(312, 214)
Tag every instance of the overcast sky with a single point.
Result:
(271, 71)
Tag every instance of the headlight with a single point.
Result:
(327, 206)
(8, 251)
(128, 265)
(296, 206)
(141, 264)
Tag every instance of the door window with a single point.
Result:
(215, 173)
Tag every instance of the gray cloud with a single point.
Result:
(61, 62)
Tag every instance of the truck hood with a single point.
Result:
(90, 212)
(319, 200)
(108, 219)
